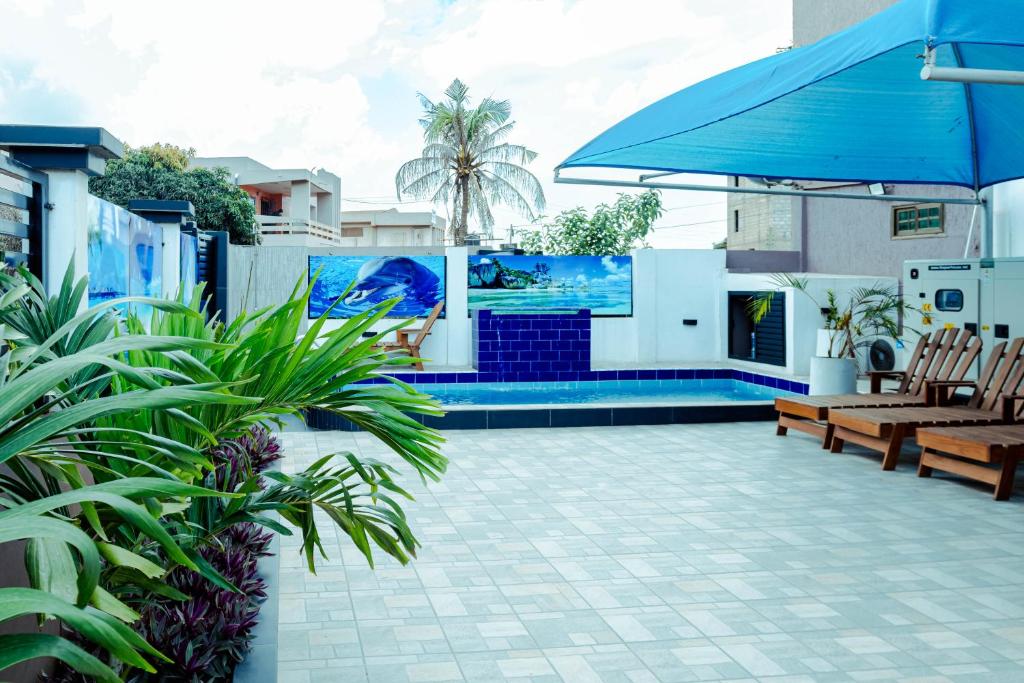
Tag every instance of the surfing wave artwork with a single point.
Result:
(419, 281)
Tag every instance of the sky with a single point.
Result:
(333, 84)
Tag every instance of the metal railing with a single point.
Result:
(288, 225)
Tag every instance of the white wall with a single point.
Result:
(1008, 228)
(668, 286)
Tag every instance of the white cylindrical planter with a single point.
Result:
(821, 347)
(833, 376)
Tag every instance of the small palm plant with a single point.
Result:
(852, 324)
(466, 160)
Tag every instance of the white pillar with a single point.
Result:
(457, 321)
(1008, 213)
(66, 238)
(172, 259)
(300, 200)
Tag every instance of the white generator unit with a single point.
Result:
(983, 295)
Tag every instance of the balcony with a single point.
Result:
(296, 231)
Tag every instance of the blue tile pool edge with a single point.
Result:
(577, 415)
(597, 375)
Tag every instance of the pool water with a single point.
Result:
(664, 392)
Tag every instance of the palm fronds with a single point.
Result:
(466, 160)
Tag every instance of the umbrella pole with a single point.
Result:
(817, 194)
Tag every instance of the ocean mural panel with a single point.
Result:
(603, 284)
(108, 227)
(189, 264)
(125, 255)
(418, 280)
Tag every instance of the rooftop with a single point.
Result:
(667, 553)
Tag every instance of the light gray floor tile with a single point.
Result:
(657, 554)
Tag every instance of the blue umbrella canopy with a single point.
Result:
(851, 107)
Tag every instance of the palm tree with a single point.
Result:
(466, 160)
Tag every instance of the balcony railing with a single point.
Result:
(287, 225)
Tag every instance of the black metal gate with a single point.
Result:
(23, 202)
(213, 270)
(761, 343)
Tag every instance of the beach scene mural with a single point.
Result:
(108, 227)
(418, 280)
(604, 284)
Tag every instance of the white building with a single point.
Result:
(391, 228)
(294, 206)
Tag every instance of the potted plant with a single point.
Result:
(849, 326)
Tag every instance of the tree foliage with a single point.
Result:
(466, 160)
(162, 171)
(608, 231)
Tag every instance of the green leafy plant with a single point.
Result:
(46, 500)
(853, 323)
(609, 231)
(131, 404)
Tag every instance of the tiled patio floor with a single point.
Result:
(668, 553)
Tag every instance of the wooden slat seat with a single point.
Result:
(884, 429)
(817, 407)
(946, 448)
(946, 356)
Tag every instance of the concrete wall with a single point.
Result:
(668, 286)
(815, 19)
(853, 237)
(764, 222)
(762, 261)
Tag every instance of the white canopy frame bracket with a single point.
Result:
(961, 74)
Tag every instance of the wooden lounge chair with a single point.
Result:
(948, 355)
(884, 429)
(402, 340)
(949, 448)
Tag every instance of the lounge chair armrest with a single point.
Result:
(1010, 406)
(938, 392)
(876, 377)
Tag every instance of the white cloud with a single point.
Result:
(332, 84)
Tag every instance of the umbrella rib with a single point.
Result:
(970, 120)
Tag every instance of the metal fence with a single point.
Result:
(23, 207)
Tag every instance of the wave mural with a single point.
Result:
(125, 255)
(418, 280)
(108, 250)
(189, 272)
(603, 284)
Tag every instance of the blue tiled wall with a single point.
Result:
(541, 347)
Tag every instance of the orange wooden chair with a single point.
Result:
(948, 355)
(884, 429)
(405, 339)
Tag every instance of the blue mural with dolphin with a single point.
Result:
(418, 280)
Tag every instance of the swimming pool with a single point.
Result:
(660, 392)
(473, 400)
